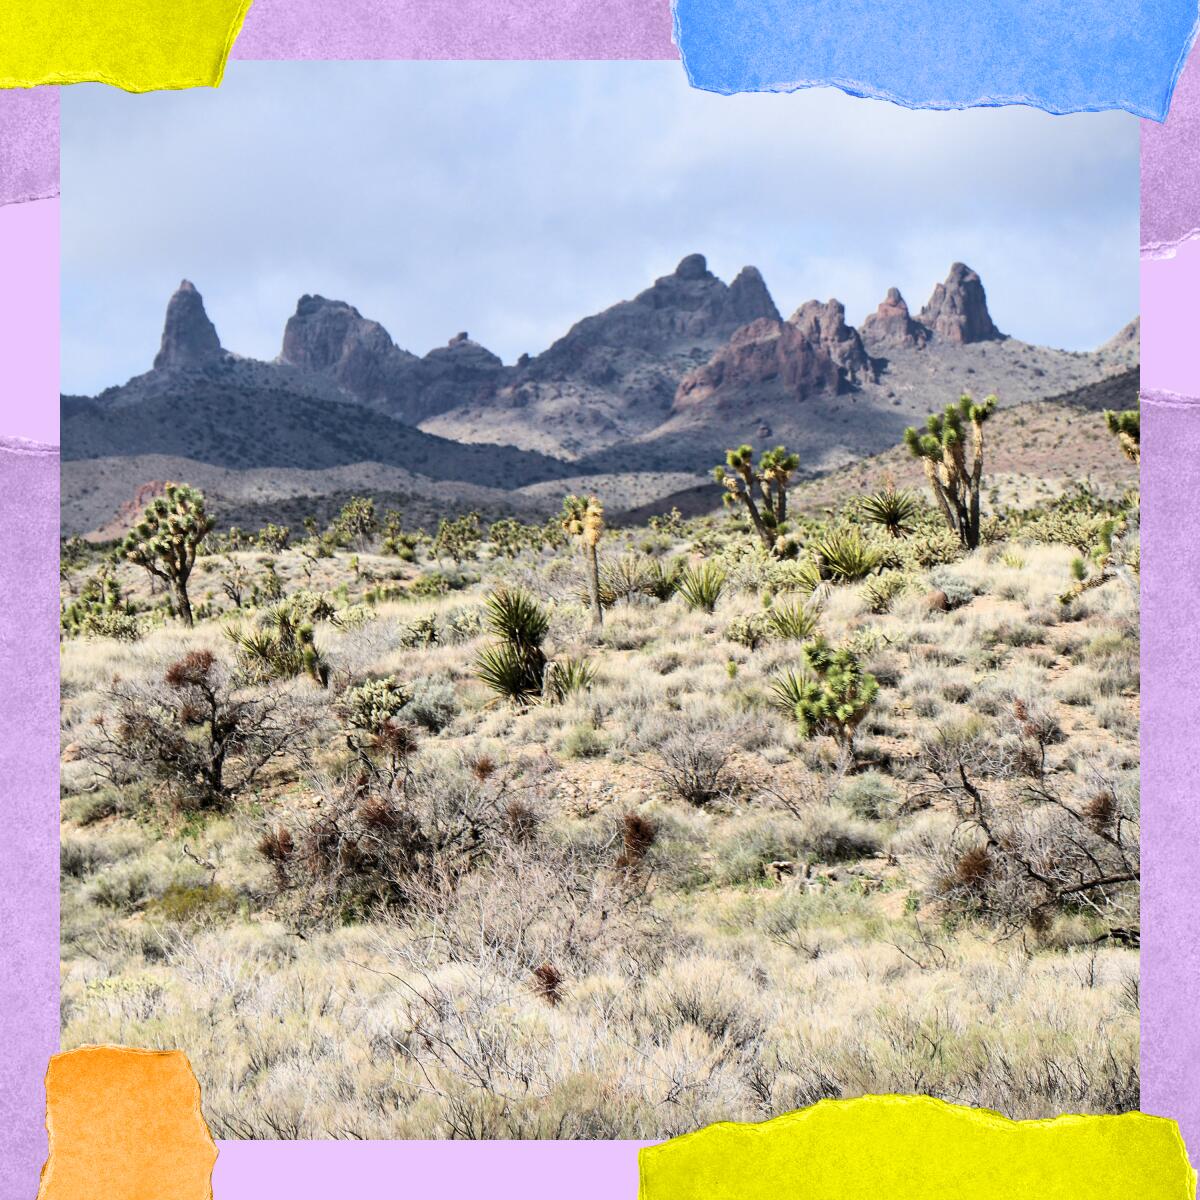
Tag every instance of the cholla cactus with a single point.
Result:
(955, 483)
(165, 539)
(1126, 427)
(584, 519)
(762, 490)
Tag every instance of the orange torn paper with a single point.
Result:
(137, 45)
(917, 1148)
(125, 1125)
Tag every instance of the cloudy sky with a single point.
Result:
(510, 199)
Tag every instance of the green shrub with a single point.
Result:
(371, 705)
(750, 631)
(843, 555)
(871, 795)
(565, 676)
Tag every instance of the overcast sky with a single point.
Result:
(510, 199)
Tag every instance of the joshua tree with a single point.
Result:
(165, 539)
(763, 490)
(356, 523)
(1126, 426)
(832, 695)
(584, 519)
(955, 483)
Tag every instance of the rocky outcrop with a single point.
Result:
(957, 311)
(825, 326)
(333, 338)
(891, 325)
(767, 359)
(189, 338)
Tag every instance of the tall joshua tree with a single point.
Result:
(762, 490)
(584, 519)
(955, 481)
(165, 539)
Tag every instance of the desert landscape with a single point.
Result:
(708, 715)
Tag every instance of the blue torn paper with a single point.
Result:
(1059, 55)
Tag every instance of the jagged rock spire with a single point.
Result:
(189, 338)
(957, 311)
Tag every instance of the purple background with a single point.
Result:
(28, 596)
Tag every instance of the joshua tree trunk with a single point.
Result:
(593, 574)
(182, 604)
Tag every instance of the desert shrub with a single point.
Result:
(957, 590)
(193, 904)
(793, 621)
(833, 835)
(634, 575)
(433, 704)
(584, 741)
(509, 672)
(100, 610)
(844, 555)
(203, 741)
(693, 764)
(123, 887)
(700, 587)
(896, 512)
(377, 843)
(871, 795)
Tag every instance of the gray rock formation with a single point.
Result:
(189, 338)
(825, 326)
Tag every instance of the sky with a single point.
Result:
(508, 200)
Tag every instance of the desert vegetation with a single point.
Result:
(573, 830)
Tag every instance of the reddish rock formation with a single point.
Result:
(891, 325)
(957, 311)
(825, 325)
(764, 355)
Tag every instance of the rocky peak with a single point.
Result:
(693, 266)
(891, 325)
(748, 297)
(322, 334)
(957, 311)
(825, 326)
(189, 338)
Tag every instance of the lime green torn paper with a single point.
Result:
(916, 1148)
(137, 45)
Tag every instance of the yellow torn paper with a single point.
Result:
(138, 45)
(125, 1125)
(917, 1148)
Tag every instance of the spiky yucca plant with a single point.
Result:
(565, 676)
(844, 555)
(700, 587)
(584, 519)
(165, 540)
(895, 511)
(792, 621)
(514, 667)
(955, 482)
(281, 647)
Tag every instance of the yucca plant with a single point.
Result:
(788, 688)
(517, 618)
(895, 511)
(792, 621)
(510, 672)
(281, 647)
(565, 676)
(700, 587)
(844, 555)
(514, 667)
